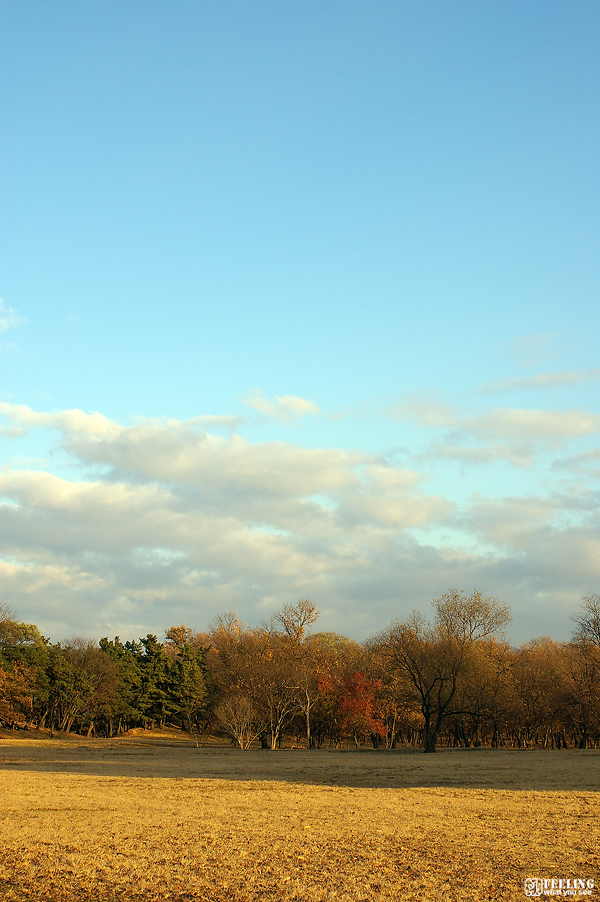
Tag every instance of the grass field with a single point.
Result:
(144, 818)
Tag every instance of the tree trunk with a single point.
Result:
(430, 740)
(431, 733)
(390, 739)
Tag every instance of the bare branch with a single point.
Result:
(588, 620)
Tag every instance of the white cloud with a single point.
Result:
(557, 539)
(512, 434)
(478, 456)
(182, 524)
(75, 421)
(226, 421)
(386, 498)
(543, 380)
(426, 410)
(545, 427)
(9, 318)
(186, 518)
(587, 462)
(12, 431)
(285, 408)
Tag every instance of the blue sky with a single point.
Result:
(323, 282)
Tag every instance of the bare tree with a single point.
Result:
(237, 715)
(588, 620)
(435, 659)
(6, 612)
(296, 618)
(583, 692)
(301, 677)
(538, 691)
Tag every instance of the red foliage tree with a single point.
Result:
(351, 701)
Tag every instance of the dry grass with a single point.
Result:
(147, 819)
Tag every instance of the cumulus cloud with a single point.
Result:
(555, 538)
(176, 518)
(385, 497)
(176, 524)
(68, 421)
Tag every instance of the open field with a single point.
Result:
(147, 819)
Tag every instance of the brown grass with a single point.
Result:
(147, 819)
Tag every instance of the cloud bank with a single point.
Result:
(170, 523)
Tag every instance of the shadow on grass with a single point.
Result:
(501, 769)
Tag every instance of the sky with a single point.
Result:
(298, 300)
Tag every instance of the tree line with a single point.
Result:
(454, 681)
